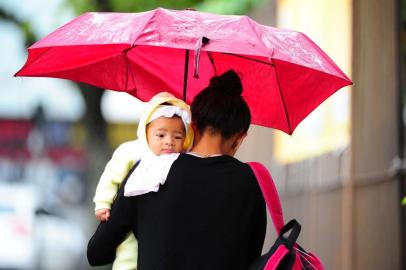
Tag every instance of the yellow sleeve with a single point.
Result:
(124, 157)
(126, 254)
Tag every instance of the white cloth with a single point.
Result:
(150, 173)
(169, 111)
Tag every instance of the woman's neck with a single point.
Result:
(208, 145)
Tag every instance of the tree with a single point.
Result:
(25, 26)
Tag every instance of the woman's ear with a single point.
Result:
(196, 134)
(193, 126)
(238, 141)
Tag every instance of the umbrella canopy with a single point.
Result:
(285, 75)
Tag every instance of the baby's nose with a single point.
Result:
(169, 141)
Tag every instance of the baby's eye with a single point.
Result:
(178, 137)
(160, 135)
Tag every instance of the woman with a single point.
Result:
(210, 213)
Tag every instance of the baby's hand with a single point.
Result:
(102, 214)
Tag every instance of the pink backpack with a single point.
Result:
(285, 254)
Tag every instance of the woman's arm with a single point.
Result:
(102, 246)
(258, 235)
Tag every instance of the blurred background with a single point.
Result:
(341, 174)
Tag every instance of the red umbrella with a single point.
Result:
(285, 75)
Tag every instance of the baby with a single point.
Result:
(164, 130)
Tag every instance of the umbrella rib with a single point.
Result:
(36, 59)
(250, 22)
(132, 75)
(185, 74)
(141, 29)
(211, 58)
(127, 68)
(283, 100)
(251, 59)
(79, 66)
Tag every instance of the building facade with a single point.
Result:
(347, 197)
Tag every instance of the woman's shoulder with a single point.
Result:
(223, 162)
(190, 157)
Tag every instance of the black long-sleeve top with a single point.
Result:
(209, 215)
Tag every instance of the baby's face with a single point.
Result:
(166, 135)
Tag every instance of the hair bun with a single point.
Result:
(229, 82)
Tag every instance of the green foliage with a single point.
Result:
(403, 13)
(404, 201)
(138, 5)
(228, 6)
(216, 6)
(29, 35)
(25, 26)
(82, 6)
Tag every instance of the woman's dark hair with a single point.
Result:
(220, 106)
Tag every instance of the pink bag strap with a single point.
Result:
(270, 194)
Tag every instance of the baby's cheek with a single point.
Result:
(179, 147)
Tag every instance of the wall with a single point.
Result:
(347, 199)
(374, 137)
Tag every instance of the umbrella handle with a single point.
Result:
(199, 44)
